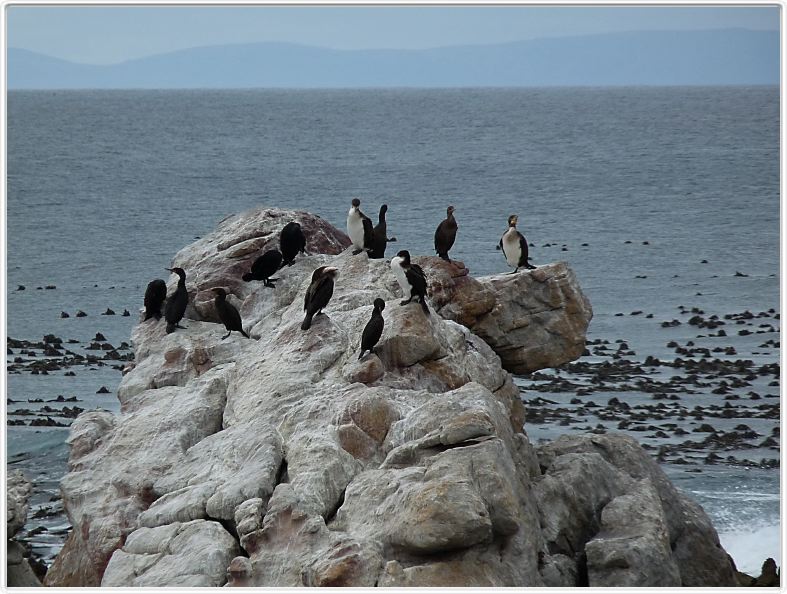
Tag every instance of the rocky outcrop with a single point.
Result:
(18, 571)
(410, 467)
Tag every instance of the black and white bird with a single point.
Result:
(176, 304)
(514, 246)
(359, 228)
(228, 315)
(380, 237)
(445, 235)
(318, 294)
(291, 241)
(373, 329)
(264, 268)
(155, 295)
(411, 278)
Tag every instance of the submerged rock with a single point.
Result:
(408, 468)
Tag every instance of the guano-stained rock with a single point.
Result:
(410, 467)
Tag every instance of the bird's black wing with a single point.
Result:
(372, 333)
(417, 279)
(320, 295)
(368, 232)
(523, 250)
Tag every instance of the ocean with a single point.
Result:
(656, 197)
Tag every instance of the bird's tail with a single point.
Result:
(307, 321)
(247, 276)
(361, 355)
(424, 306)
(170, 328)
(148, 314)
(242, 331)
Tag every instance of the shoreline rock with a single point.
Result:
(410, 468)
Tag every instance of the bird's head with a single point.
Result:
(450, 210)
(331, 271)
(512, 220)
(220, 293)
(379, 304)
(356, 204)
(179, 271)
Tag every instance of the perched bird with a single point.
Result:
(228, 315)
(445, 235)
(177, 302)
(514, 246)
(318, 294)
(411, 278)
(264, 268)
(359, 228)
(155, 295)
(380, 237)
(374, 328)
(291, 241)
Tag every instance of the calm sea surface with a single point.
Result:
(105, 187)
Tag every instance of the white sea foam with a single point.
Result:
(749, 548)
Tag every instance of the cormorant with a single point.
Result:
(155, 295)
(374, 328)
(291, 241)
(380, 237)
(359, 228)
(411, 278)
(514, 246)
(177, 302)
(264, 268)
(445, 235)
(227, 313)
(318, 294)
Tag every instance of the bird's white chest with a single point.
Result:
(511, 247)
(355, 228)
(401, 276)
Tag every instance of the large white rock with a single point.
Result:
(410, 467)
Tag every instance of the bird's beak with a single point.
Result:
(170, 269)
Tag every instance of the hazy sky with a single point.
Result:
(102, 35)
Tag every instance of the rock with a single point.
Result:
(102, 390)
(20, 288)
(769, 576)
(533, 320)
(239, 573)
(126, 313)
(18, 491)
(81, 314)
(190, 554)
(64, 315)
(410, 467)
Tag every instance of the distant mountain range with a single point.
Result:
(716, 57)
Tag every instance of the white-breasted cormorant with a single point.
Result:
(318, 294)
(264, 268)
(176, 304)
(514, 246)
(445, 235)
(359, 228)
(227, 313)
(411, 278)
(155, 295)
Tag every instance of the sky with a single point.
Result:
(111, 34)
